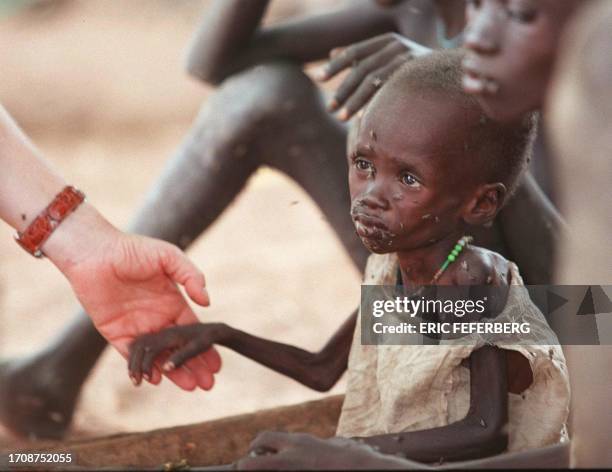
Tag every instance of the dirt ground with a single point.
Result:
(100, 87)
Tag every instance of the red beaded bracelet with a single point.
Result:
(50, 218)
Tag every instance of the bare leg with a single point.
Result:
(38, 393)
(236, 127)
(304, 141)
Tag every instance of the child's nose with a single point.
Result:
(375, 198)
(481, 34)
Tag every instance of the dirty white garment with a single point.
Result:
(393, 389)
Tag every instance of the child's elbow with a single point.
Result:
(321, 384)
(493, 437)
(203, 74)
(200, 68)
(497, 443)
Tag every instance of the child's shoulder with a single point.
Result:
(480, 266)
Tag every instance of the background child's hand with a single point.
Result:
(300, 451)
(174, 345)
(371, 62)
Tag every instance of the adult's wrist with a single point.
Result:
(82, 234)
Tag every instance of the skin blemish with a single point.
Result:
(23, 217)
(294, 202)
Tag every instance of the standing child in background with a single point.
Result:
(425, 165)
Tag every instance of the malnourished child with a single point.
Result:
(425, 165)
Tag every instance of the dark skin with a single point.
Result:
(512, 50)
(257, 127)
(395, 177)
(514, 45)
(371, 62)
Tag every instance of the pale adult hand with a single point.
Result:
(371, 63)
(129, 286)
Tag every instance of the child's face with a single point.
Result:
(407, 173)
(511, 50)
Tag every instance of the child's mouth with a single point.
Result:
(373, 232)
(475, 82)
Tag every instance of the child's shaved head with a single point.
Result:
(497, 152)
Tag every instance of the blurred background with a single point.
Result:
(100, 87)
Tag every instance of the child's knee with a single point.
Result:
(268, 92)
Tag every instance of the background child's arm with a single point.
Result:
(481, 433)
(532, 250)
(230, 39)
(320, 370)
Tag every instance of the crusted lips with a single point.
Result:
(369, 221)
(372, 229)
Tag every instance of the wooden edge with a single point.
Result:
(209, 443)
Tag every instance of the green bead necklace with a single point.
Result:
(461, 244)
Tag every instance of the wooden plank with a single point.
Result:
(213, 442)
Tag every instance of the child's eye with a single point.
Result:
(410, 180)
(362, 164)
(523, 16)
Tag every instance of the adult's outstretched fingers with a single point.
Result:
(212, 359)
(184, 272)
(183, 378)
(201, 371)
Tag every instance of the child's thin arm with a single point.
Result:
(229, 38)
(479, 434)
(320, 370)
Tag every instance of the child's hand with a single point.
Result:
(300, 451)
(371, 62)
(179, 344)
